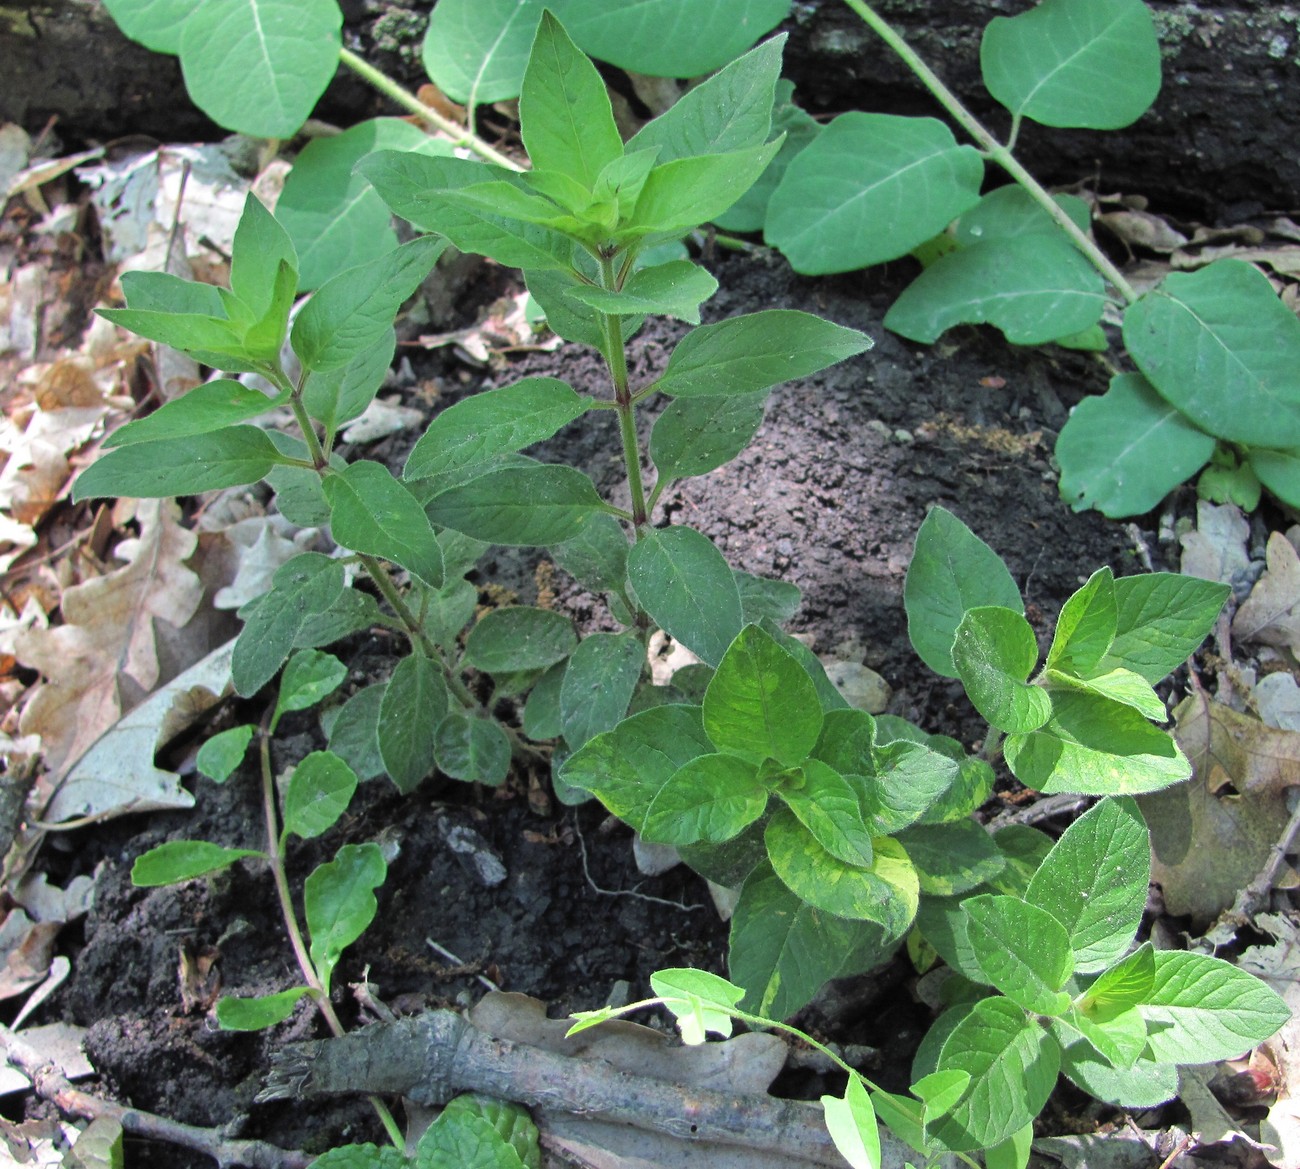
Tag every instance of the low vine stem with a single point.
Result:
(275, 854)
(616, 358)
(996, 151)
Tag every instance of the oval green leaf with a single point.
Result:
(181, 860)
(995, 651)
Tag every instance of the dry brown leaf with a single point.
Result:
(1271, 614)
(27, 948)
(1144, 230)
(1216, 548)
(108, 644)
(1213, 835)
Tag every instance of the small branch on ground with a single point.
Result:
(49, 1082)
(433, 1057)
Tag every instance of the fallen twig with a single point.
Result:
(49, 1082)
(432, 1057)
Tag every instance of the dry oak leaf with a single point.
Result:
(1271, 614)
(1212, 835)
(104, 658)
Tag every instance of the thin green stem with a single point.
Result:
(407, 100)
(320, 460)
(275, 853)
(995, 150)
(616, 358)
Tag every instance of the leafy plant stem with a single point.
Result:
(318, 457)
(616, 356)
(275, 851)
(996, 151)
(404, 98)
(420, 640)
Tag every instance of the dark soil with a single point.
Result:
(829, 496)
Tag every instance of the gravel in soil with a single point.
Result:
(829, 496)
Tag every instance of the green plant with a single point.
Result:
(1047, 980)
(1216, 349)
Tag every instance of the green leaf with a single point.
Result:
(335, 218)
(422, 189)
(669, 38)
(302, 587)
(260, 246)
(846, 741)
(701, 1001)
(686, 192)
(493, 422)
(686, 586)
(940, 1091)
(1095, 746)
(258, 66)
(355, 309)
(463, 1139)
(336, 396)
(1094, 882)
(732, 110)
(1145, 1085)
(1120, 1041)
(707, 800)
(909, 779)
(694, 436)
(1121, 987)
(1023, 950)
(1161, 619)
(1220, 346)
(851, 1121)
(675, 289)
(1121, 686)
(783, 950)
(519, 637)
(353, 612)
(565, 118)
(541, 718)
(475, 51)
(256, 1014)
(827, 805)
(1013, 1153)
(1024, 850)
(1279, 471)
(531, 506)
(870, 188)
(156, 24)
(1093, 64)
(1013, 1067)
(371, 512)
(319, 792)
(994, 651)
(181, 860)
(339, 902)
(308, 678)
(1123, 452)
(1086, 626)
(598, 684)
(625, 768)
(473, 749)
(1034, 288)
(414, 703)
(1011, 212)
(761, 703)
(763, 599)
(952, 570)
(952, 858)
(509, 1121)
(1203, 1009)
(354, 734)
(164, 467)
(749, 212)
(361, 1157)
(222, 754)
(885, 893)
(569, 318)
(205, 408)
(754, 352)
(597, 555)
